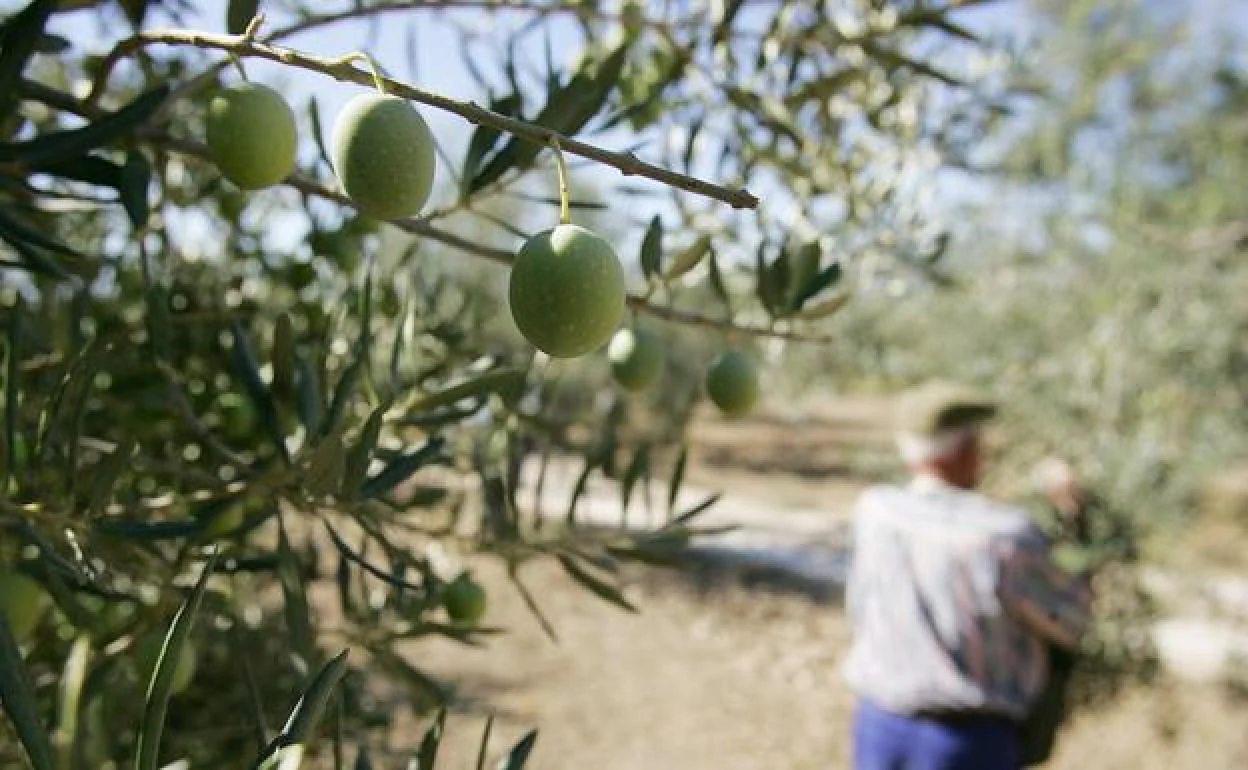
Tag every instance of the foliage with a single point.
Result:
(221, 406)
(1097, 287)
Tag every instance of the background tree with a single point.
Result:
(1095, 285)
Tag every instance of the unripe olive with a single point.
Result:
(23, 603)
(567, 291)
(732, 383)
(464, 600)
(251, 135)
(384, 156)
(636, 357)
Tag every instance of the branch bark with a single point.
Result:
(426, 229)
(627, 164)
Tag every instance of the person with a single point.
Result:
(954, 601)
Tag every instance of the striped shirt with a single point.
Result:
(952, 597)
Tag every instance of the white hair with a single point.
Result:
(920, 450)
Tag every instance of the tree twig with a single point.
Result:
(342, 69)
(426, 229)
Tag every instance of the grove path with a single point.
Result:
(716, 675)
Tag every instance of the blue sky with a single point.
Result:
(438, 66)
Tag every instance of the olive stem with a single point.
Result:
(253, 27)
(378, 80)
(561, 167)
(238, 63)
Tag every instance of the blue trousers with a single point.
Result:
(887, 741)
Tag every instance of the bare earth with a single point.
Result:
(716, 674)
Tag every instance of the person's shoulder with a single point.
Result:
(1006, 520)
(878, 496)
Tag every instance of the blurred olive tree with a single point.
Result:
(1096, 282)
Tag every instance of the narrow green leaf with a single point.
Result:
(307, 711)
(716, 278)
(693, 512)
(318, 133)
(513, 573)
(401, 468)
(245, 366)
(567, 110)
(592, 461)
(161, 684)
(33, 235)
(803, 269)
(507, 382)
(688, 258)
(136, 178)
(159, 329)
(826, 277)
(147, 531)
(326, 466)
(294, 599)
(90, 169)
(52, 44)
(485, 741)
(79, 141)
(366, 316)
(895, 59)
(342, 576)
(17, 694)
(283, 356)
(483, 141)
(427, 755)
(310, 401)
(402, 329)
(19, 38)
(596, 585)
(12, 380)
(106, 475)
(678, 478)
(342, 394)
(824, 308)
(33, 260)
(69, 698)
(519, 754)
(652, 248)
(239, 14)
(135, 10)
(639, 467)
(62, 417)
(254, 699)
(656, 554)
(361, 453)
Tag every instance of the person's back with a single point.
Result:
(954, 601)
(938, 600)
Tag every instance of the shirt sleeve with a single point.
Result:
(1053, 603)
(854, 579)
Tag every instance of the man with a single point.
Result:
(954, 602)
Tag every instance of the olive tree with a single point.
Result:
(243, 359)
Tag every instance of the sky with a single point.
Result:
(417, 46)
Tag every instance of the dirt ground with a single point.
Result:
(732, 678)
(713, 673)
